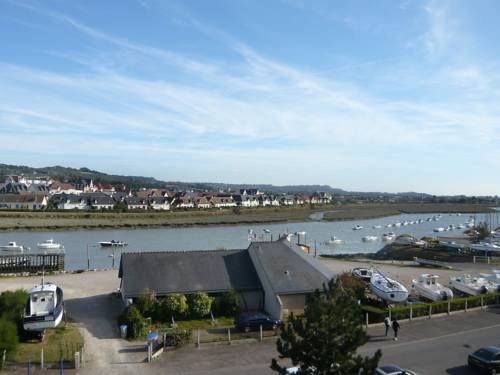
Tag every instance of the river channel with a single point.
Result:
(229, 237)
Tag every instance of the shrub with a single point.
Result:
(199, 305)
(8, 335)
(229, 303)
(145, 302)
(178, 337)
(12, 305)
(173, 305)
(136, 324)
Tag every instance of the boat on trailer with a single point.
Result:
(44, 308)
(388, 289)
(426, 286)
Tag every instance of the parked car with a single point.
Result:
(487, 359)
(252, 321)
(393, 370)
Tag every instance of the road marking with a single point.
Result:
(434, 338)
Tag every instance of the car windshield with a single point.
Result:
(484, 354)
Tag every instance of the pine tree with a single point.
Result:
(324, 340)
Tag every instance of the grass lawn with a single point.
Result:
(59, 342)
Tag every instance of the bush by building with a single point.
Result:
(199, 304)
(136, 324)
(229, 304)
(172, 306)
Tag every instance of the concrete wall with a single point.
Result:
(293, 303)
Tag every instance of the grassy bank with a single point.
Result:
(149, 219)
(370, 211)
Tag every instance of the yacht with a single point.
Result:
(387, 289)
(369, 238)
(334, 240)
(473, 286)
(426, 286)
(364, 274)
(112, 243)
(44, 308)
(49, 245)
(357, 227)
(14, 247)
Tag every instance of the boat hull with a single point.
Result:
(38, 325)
(398, 296)
(442, 294)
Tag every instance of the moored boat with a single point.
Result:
(357, 227)
(334, 240)
(426, 286)
(44, 308)
(49, 245)
(112, 243)
(369, 238)
(14, 247)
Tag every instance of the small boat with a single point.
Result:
(388, 226)
(398, 224)
(13, 246)
(460, 226)
(493, 277)
(364, 274)
(439, 229)
(387, 289)
(369, 238)
(334, 240)
(473, 286)
(357, 227)
(112, 243)
(426, 286)
(388, 236)
(377, 226)
(44, 308)
(49, 245)
(266, 230)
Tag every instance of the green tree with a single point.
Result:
(145, 302)
(136, 324)
(8, 335)
(173, 305)
(12, 304)
(120, 206)
(483, 231)
(324, 340)
(229, 303)
(199, 305)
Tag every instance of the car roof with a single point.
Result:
(253, 315)
(390, 369)
(492, 349)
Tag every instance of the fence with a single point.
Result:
(376, 315)
(31, 262)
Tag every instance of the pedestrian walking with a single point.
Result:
(395, 328)
(387, 323)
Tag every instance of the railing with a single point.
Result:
(14, 263)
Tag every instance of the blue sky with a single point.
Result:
(362, 95)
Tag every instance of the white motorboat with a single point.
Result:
(473, 286)
(388, 226)
(460, 226)
(398, 224)
(377, 226)
(14, 247)
(44, 308)
(388, 236)
(369, 238)
(494, 277)
(485, 246)
(387, 289)
(364, 274)
(49, 245)
(426, 286)
(357, 227)
(334, 240)
(439, 229)
(112, 243)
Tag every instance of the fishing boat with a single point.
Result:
(49, 245)
(44, 308)
(357, 227)
(14, 247)
(334, 240)
(387, 289)
(112, 243)
(364, 274)
(369, 238)
(467, 284)
(426, 286)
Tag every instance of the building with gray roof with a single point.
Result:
(274, 276)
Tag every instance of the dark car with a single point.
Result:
(486, 359)
(393, 370)
(252, 321)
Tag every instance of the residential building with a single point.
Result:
(136, 203)
(203, 202)
(71, 202)
(23, 201)
(222, 201)
(159, 203)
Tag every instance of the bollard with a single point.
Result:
(430, 311)
(411, 312)
(41, 359)
(260, 332)
(465, 305)
(229, 335)
(482, 302)
(77, 360)
(390, 314)
(29, 366)
(82, 356)
(449, 307)
(474, 259)
(366, 320)
(198, 340)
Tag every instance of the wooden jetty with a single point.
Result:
(14, 263)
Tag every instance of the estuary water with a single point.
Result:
(82, 248)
